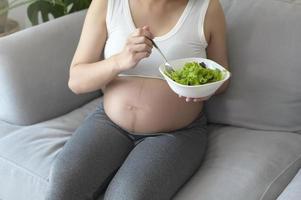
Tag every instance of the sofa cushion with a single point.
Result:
(34, 70)
(239, 162)
(293, 190)
(264, 52)
(27, 153)
(244, 164)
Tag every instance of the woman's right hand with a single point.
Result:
(137, 47)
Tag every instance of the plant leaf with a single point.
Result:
(45, 8)
(77, 5)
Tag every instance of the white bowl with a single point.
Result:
(195, 91)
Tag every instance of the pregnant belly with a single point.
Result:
(147, 105)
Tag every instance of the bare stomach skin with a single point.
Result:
(147, 105)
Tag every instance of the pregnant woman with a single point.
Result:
(143, 141)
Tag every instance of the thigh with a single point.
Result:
(158, 166)
(93, 153)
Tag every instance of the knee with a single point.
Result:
(60, 185)
(62, 166)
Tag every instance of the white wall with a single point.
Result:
(19, 14)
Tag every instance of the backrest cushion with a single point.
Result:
(34, 71)
(264, 42)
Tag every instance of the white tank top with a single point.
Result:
(185, 39)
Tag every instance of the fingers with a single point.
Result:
(197, 100)
(189, 99)
(140, 40)
(138, 48)
(145, 31)
(137, 32)
(142, 47)
(142, 35)
(141, 55)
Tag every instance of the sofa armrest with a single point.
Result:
(34, 71)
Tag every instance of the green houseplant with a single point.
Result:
(56, 8)
(3, 15)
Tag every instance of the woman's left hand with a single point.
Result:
(188, 99)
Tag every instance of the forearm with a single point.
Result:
(90, 77)
(94, 76)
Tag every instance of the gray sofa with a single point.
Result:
(255, 128)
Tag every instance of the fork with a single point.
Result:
(168, 66)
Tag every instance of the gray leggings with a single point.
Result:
(102, 157)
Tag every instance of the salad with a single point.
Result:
(194, 73)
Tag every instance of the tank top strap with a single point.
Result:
(114, 12)
(196, 18)
(201, 21)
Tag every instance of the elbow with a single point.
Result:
(73, 82)
(74, 86)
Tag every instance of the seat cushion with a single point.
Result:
(240, 163)
(27, 153)
(293, 190)
(264, 57)
(244, 164)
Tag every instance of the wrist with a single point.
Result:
(116, 65)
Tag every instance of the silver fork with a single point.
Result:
(168, 66)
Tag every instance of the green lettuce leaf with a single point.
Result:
(194, 73)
